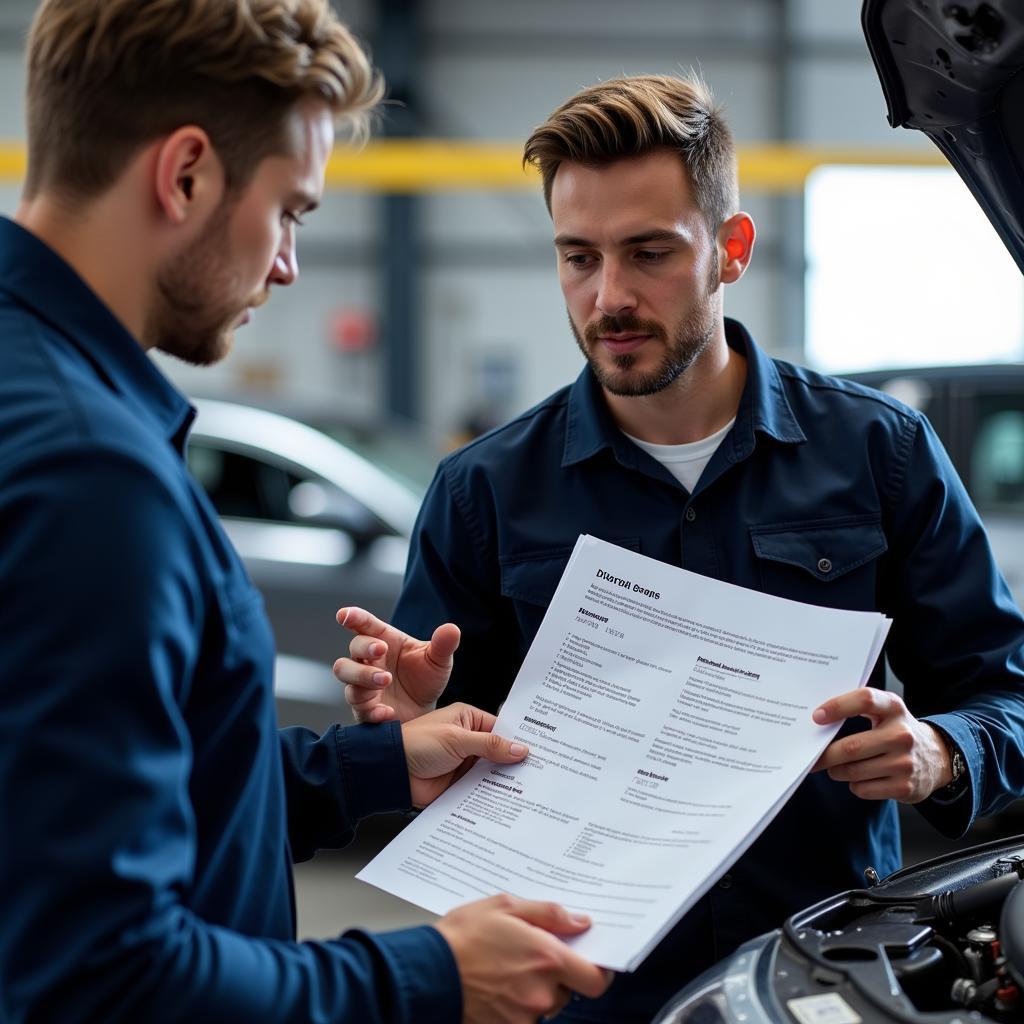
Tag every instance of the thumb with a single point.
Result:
(488, 745)
(443, 644)
(550, 916)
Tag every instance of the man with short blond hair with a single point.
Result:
(151, 807)
(682, 440)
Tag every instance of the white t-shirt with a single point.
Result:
(685, 462)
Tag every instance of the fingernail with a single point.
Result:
(381, 678)
(517, 749)
(376, 650)
(344, 618)
(579, 919)
(819, 715)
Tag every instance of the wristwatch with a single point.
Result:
(957, 765)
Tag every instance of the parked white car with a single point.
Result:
(317, 524)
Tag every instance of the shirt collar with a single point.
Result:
(37, 278)
(763, 409)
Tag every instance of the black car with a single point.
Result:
(942, 941)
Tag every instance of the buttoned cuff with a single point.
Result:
(953, 816)
(374, 772)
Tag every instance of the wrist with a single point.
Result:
(954, 778)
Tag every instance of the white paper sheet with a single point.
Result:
(668, 717)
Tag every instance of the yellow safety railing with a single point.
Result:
(426, 165)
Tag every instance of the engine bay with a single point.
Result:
(946, 938)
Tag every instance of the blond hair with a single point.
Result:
(627, 117)
(105, 77)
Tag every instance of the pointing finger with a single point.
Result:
(359, 620)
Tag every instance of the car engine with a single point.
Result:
(959, 948)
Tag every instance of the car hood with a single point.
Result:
(954, 72)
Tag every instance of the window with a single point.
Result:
(904, 269)
(244, 487)
(241, 486)
(997, 454)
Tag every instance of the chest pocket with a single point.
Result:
(529, 581)
(831, 562)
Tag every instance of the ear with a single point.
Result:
(736, 246)
(188, 176)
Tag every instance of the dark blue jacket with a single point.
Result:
(824, 492)
(149, 806)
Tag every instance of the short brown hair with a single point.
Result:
(633, 116)
(105, 77)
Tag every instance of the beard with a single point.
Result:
(194, 317)
(689, 339)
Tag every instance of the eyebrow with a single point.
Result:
(657, 235)
(304, 201)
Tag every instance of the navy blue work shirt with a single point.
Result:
(150, 807)
(823, 491)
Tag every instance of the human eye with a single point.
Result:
(651, 255)
(578, 259)
(292, 218)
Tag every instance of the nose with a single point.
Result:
(614, 295)
(285, 270)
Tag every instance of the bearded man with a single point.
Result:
(151, 808)
(682, 440)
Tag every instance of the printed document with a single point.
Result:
(668, 717)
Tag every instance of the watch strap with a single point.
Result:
(958, 767)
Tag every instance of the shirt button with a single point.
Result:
(691, 514)
(824, 565)
(725, 882)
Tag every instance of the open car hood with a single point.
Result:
(955, 71)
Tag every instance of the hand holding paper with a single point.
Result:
(441, 746)
(512, 966)
(901, 758)
(668, 717)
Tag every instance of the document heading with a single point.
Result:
(627, 584)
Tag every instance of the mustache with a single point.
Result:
(626, 323)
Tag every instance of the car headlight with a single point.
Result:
(726, 993)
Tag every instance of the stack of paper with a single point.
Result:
(668, 717)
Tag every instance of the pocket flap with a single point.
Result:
(827, 549)
(533, 576)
